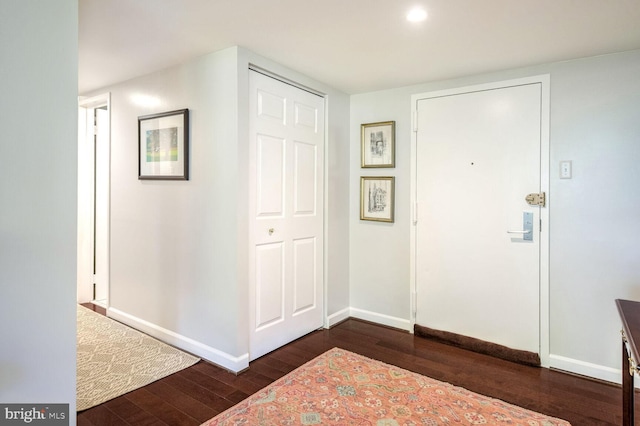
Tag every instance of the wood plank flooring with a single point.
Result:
(194, 395)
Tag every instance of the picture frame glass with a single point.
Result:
(162, 146)
(378, 144)
(377, 199)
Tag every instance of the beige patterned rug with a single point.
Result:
(114, 359)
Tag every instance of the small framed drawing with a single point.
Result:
(377, 198)
(378, 144)
(163, 146)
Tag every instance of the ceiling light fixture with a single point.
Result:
(417, 15)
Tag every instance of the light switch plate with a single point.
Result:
(565, 170)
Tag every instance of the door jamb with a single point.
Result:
(544, 81)
(86, 107)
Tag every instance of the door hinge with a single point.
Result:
(536, 199)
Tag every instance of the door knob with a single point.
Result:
(271, 231)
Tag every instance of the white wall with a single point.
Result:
(595, 122)
(173, 243)
(38, 117)
(179, 248)
(379, 256)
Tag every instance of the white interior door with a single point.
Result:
(286, 205)
(478, 154)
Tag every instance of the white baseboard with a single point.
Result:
(237, 364)
(383, 319)
(583, 368)
(338, 317)
(223, 359)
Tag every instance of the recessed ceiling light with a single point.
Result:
(417, 15)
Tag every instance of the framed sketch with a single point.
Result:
(378, 144)
(163, 146)
(377, 198)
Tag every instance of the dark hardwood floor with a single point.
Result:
(198, 393)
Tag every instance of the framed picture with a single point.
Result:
(163, 146)
(378, 144)
(377, 198)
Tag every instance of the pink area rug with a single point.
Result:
(343, 388)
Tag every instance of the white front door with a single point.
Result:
(286, 213)
(478, 155)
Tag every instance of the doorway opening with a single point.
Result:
(93, 200)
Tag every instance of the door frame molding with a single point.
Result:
(86, 217)
(544, 81)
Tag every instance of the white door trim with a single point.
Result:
(86, 166)
(544, 81)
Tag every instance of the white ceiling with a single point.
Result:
(353, 45)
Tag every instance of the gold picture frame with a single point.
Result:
(378, 145)
(377, 198)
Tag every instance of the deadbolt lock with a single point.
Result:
(536, 199)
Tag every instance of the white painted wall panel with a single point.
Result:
(38, 159)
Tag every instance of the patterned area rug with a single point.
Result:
(114, 359)
(343, 388)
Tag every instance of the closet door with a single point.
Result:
(286, 205)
